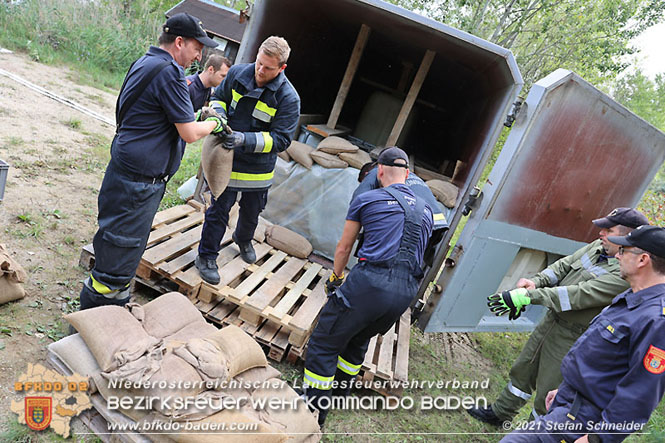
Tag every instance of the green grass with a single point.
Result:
(188, 168)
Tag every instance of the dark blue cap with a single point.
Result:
(647, 238)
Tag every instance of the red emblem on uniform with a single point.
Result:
(654, 360)
(38, 412)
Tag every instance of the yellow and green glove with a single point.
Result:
(334, 282)
(512, 303)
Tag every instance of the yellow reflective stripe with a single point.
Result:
(245, 176)
(236, 98)
(438, 217)
(267, 142)
(265, 108)
(99, 287)
(218, 103)
(317, 381)
(347, 367)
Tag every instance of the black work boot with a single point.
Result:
(246, 250)
(207, 269)
(486, 415)
(343, 384)
(319, 400)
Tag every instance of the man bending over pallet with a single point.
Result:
(379, 288)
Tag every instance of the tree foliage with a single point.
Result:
(585, 36)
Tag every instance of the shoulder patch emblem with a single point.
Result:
(654, 360)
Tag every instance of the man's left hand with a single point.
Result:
(234, 140)
(513, 302)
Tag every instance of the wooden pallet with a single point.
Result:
(387, 357)
(98, 418)
(172, 246)
(286, 291)
(268, 334)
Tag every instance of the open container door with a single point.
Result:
(572, 156)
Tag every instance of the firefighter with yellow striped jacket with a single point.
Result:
(575, 289)
(262, 108)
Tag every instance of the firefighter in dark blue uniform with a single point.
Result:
(379, 288)
(263, 108)
(369, 180)
(154, 120)
(614, 375)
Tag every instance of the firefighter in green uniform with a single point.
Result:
(575, 289)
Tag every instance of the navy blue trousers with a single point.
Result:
(126, 210)
(217, 219)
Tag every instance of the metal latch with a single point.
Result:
(514, 111)
(475, 196)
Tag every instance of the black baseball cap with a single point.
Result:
(629, 217)
(393, 156)
(647, 238)
(186, 25)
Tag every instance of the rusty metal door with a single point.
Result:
(572, 156)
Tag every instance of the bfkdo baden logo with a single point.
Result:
(38, 412)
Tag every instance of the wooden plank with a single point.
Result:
(172, 213)
(173, 266)
(87, 258)
(402, 355)
(267, 332)
(191, 276)
(237, 266)
(368, 363)
(308, 312)
(291, 297)
(168, 230)
(220, 312)
(384, 363)
(411, 97)
(262, 297)
(177, 244)
(351, 68)
(324, 131)
(252, 281)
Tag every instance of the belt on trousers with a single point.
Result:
(575, 408)
(575, 327)
(143, 178)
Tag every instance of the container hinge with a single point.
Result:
(475, 196)
(514, 111)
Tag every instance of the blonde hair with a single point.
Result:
(276, 47)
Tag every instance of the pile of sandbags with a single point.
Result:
(444, 191)
(201, 375)
(332, 152)
(12, 277)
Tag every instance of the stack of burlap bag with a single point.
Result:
(12, 277)
(167, 351)
(331, 152)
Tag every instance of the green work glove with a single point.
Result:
(221, 123)
(512, 302)
(334, 282)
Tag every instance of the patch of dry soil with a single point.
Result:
(57, 156)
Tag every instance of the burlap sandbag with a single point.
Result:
(167, 314)
(328, 160)
(12, 277)
(216, 161)
(355, 159)
(106, 391)
(300, 153)
(284, 156)
(76, 356)
(256, 376)
(192, 330)
(444, 191)
(240, 350)
(113, 335)
(288, 241)
(335, 145)
(299, 423)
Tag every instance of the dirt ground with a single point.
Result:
(57, 156)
